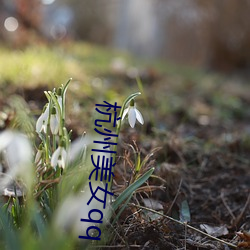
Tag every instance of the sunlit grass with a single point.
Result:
(90, 66)
(51, 64)
(37, 65)
(41, 64)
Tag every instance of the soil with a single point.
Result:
(203, 164)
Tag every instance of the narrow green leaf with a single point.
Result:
(11, 237)
(122, 209)
(65, 87)
(185, 212)
(39, 222)
(128, 191)
(138, 163)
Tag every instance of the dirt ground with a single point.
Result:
(202, 171)
(201, 144)
(216, 187)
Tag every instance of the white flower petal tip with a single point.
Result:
(139, 116)
(59, 99)
(124, 113)
(42, 121)
(59, 158)
(54, 124)
(133, 115)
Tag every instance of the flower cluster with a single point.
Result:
(52, 151)
(51, 115)
(16, 151)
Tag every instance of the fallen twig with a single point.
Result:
(184, 224)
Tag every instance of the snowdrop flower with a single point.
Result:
(17, 152)
(59, 157)
(54, 121)
(42, 122)
(133, 114)
(74, 208)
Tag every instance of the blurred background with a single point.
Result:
(212, 34)
(193, 60)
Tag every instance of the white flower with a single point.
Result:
(59, 99)
(74, 208)
(133, 114)
(54, 121)
(59, 157)
(17, 152)
(42, 122)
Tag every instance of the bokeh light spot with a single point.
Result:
(58, 31)
(11, 24)
(47, 2)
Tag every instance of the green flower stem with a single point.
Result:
(66, 138)
(54, 142)
(47, 137)
(53, 97)
(65, 87)
(118, 128)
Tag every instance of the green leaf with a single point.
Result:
(39, 222)
(122, 209)
(128, 191)
(184, 212)
(11, 237)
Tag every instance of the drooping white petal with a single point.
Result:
(5, 139)
(74, 207)
(139, 116)
(59, 157)
(133, 114)
(124, 113)
(39, 123)
(78, 147)
(59, 99)
(44, 127)
(62, 161)
(54, 124)
(64, 154)
(55, 156)
(19, 151)
(18, 156)
(132, 117)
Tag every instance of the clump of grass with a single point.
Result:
(46, 174)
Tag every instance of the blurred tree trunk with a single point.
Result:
(229, 34)
(28, 14)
